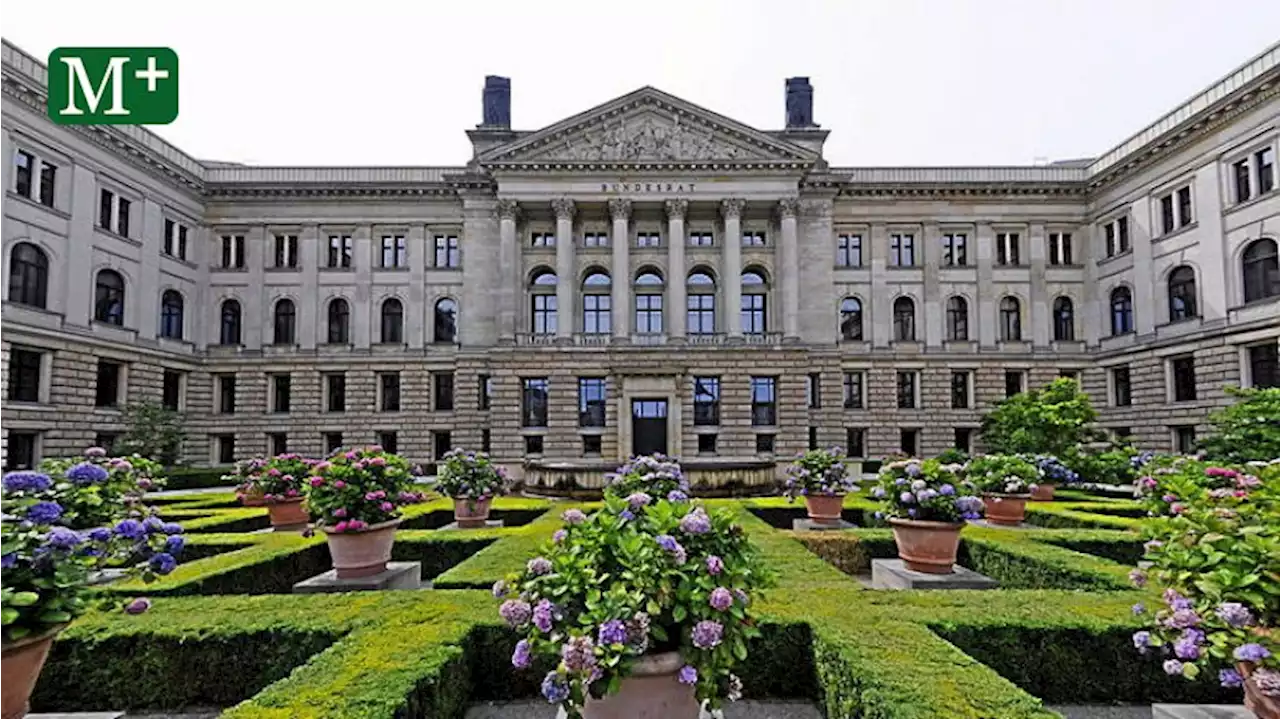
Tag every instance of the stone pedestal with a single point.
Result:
(399, 575)
(808, 525)
(991, 525)
(1199, 711)
(893, 574)
(489, 524)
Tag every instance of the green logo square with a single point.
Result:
(113, 85)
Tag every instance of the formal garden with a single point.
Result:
(1078, 571)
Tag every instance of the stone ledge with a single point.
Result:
(398, 575)
(893, 574)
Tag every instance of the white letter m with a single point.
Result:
(78, 76)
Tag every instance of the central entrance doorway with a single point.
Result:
(648, 426)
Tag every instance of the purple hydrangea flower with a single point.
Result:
(907, 498)
(638, 500)
(539, 566)
(1176, 601)
(1251, 653)
(1182, 619)
(516, 612)
(554, 688)
(131, 529)
(1186, 649)
(1138, 577)
(137, 606)
(162, 563)
(878, 492)
(100, 534)
(1235, 614)
(715, 565)
(947, 490)
(499, 589)
(695, 522)
(171, 528)
(520, 658)
(707, 634)
(1172, 667)
(174, 545)
(676, 495)
(544, 615)
(1142, 641)
(87, 473)
(26, 482)
(44, 512)
(1139, 608)
(1230, 678)
(153, 525)
(578, 654)
(63, 538)
(688, 675)
(627, 515)
(613, 631)
(721, 599)
(9, 561)
(573, 516)
(559, 535)
(669, 543)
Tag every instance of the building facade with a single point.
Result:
(645, 276)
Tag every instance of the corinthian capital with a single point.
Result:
(564, 208)
(676, 209)
(788, 207)
(508, 209)
(620, 208)
(732, 207)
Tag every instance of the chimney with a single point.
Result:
(497, 102)
(799, 104)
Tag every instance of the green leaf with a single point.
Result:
(678, 613)
(24, 599)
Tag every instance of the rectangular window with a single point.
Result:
(1185, 215)
(443, 391)
(700, 239)
(855, 440)
(389, 389)
(813, 438)
(24, 167)
(21, 451)
(106, 440)
(542, 239)
(485, 386)
(1069, 374)
(1264, 365)
(1013, 382)
(24, 375)
(764, 443)
(902, 250)
(486, 440)
(171, 394)
(1007, 249)
(595, 239)
(226, 393)
(955, 249)
(49, 183)
(394, 251)
(340, 252)
(960, 390)
(106, 208)
(814, 389)
(1175, 210)
(964, 439)
(170, 236)
(591, 445)
(122, 216)
(448, 255)
(286, 252)
(1184, 378)
(1117, 236)
(1240, 174)
(849, 251)
(336, 392)
(753, 239)
(648, 239)
(1121, 393)
(233, 252)
(107, 392)
(649, 314)
(1167, 223)
(1184, 439)
(226, 449)
(853, 390)
(906, 390)
(281, 392)
(533, 444)
(591, 401)
(279, 443)
(441, 443)
(909, 442)
(764, 401)
(706, 444)
(533, 402)
(1060, 249)
(332, 442)
(1262, 159)
(706, 401)
(1122, 233)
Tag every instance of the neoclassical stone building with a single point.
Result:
(647, 275)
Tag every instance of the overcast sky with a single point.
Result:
(898, 82)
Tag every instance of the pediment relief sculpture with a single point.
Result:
(648, 137)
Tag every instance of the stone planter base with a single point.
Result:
(362, 554)
(651, 692)
(928, 547)
(20, 665)
(1005, 509)
(894, 574)
(397, 575)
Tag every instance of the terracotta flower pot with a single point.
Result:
(1262, 706)
(928, 547)
(1005, 509)
(824, 509)
(471, 513)
(1043, 493)
(252, 500)
(20, 665)
(651, 692)
(287, 515)
(364, 553)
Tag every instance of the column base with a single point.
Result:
(506, 341)
(790, 340)
(620, 340)
(677, 340)
(563, 341)
(735, 340)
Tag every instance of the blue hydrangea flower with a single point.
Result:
(613, 632)
(162, 563)
(1251, 653)
(174, 545)
(554, 688)
(171, 528)
(26, 482)
(87, 473)
(153, 524)
(688, 675)
(131, 529)
(63, 538)
(44, 512)
(100, 534)
(9, 561)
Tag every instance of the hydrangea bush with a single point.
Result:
(1110, 463)
(48, 562)
(1002, 474)
(926, 490)
(643, 575)
(274, 479)
(358, 488)
(818, 472)
(656, 475)
(470, 475)
(106, 488)
(1053, 471)
(1213, 540)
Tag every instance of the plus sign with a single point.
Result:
(151, 74)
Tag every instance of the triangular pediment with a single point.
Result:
(647, 126)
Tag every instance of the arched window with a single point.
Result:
(230, 325)
(904, 319)
(29, 275)
(755, 303)
(1121, 311)
(543, 302)
(446, 321)
(171, 315)
(1010, 320)
(339, 322)
(284, 321)
(1261, 264)
(392, 321)
(1182, 294)
(957, 319)
(851, 319)
(108, 298)
(701, 318)
(648, 290)
(597, 303)
(1064, 320)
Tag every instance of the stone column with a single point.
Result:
(1144, 294)
(790, 280)
(564, 209)
(508, 261)
(306, 322)
(984, 315)
(1039, 305)
(731, 271)
(676, 302)
(361, 300)
(931, 308)
(620, 211)
(253, 311)
(881, 299)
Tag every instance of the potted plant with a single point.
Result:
(277, 482)
(106, 487)
(1213, 538)
(1052, 473)
(656, 475)
(354, 497)
(472, 480)
(646, 607)
(926, 503)
(819, 476)
(245, 476)
(48, 559)
(1006, 482)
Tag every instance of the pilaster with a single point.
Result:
(731, 279)
(676, 302)
(985, 316)
(509, 275)
(620, 239)
(565, 275)
(788, 208)
(1039, 304)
